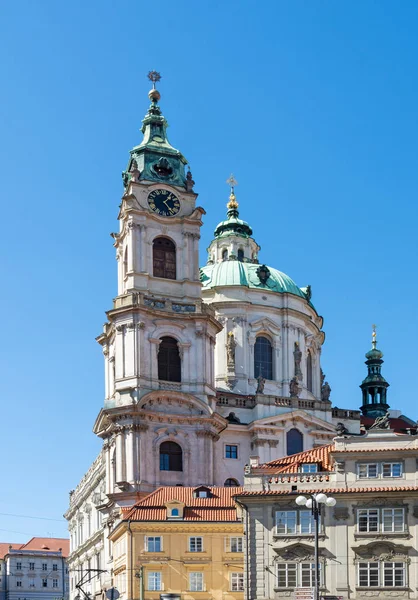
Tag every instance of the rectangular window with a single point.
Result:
(392, 469)
(44, 582)
(153, 544)
(44, 567)
(294, 521)
(55, 567)
(231, 451)
(383, 520)
(195, 544)
(55, 583)
(196, 581)
(154, 581)
(394, 574)
(309, 468)
(291, 575)
(385, 574)
(236, 544)
(237, 582)
(18, 583)
(18, 566)
(367, 471)
(31, 566)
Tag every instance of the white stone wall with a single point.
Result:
(25, 572)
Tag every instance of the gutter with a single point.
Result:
(247, 546)
(132, 558)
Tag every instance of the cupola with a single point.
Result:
(374, 386)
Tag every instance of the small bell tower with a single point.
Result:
(374, 386)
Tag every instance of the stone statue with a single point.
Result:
(325, 391)
(322, 378)
(381, 422)
(134, 171)
(261, 382)
(189, 180)
(341, 429)
(230, 349)
(232, 418)
(294, 388)
(298, 358)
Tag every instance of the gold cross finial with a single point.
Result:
(232, 182)
(154, 76)
(374, 341)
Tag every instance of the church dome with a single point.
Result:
(254, 276)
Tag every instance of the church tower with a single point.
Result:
(374, 386)
(158, 422)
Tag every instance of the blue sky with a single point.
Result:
(312, 105)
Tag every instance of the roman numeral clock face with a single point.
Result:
(164, 203)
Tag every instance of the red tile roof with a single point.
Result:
(220, 506)
(4, 548)
(290, 464)
(342, 490)
(51, 544)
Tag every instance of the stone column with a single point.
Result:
(120, 455)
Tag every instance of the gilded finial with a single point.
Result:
(154, 95)
(232, 182)
(374, 341)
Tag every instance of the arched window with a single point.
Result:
(171, 457)
(164, 258)
(241, 255)
(294, 441)
(263, 358)
(231, 483)
(224, 254)
(169, 363)
(174, 512)
(309, 371)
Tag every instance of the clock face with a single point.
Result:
(164, 203)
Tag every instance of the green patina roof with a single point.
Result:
(234, 272)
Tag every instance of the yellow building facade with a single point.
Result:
(183, 541)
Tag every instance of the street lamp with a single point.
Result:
(314, 502)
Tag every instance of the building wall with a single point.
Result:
(36, 575)
(175, 562)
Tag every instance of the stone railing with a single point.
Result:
(247, 402)
(293, 478)
(341, 413)
(166, 304)
(169, 385)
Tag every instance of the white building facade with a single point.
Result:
(203, 367)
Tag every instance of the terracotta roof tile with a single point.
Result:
(4, 548)
(51, 544)
(386, 449)
(290, 464)
(219, 507)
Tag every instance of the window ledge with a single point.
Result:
(381, 534)
(296, 536)
(381, 588)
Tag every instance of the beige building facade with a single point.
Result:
(367, 541)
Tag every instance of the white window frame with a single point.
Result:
(31, 566)
(44, 566)
(379, 518)
(391, 466)
(236, 581)
(294, 574)
(293, 520)
(154, 581)
(44, 582)
(195, 543)
(196, 581)
(150, 539)
(55, 583)
(19, 583)
(366, 467)
(381, 569)
(309, 468)
(55, 567)
(231, 457)
(19, 566)
(238, 542)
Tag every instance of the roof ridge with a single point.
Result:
(293, 457)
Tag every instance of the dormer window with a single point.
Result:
(309, 468)
(202, 492)
(174, 512)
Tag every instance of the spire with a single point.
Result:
(374, 386)
(233, 225)
(155, 159)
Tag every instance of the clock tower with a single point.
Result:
(158, 423)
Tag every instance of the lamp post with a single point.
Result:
(314, 501)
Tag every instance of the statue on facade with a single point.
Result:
(230, 349)
(325, 389)
(341, 429)
(261, 382)
(232, 418)
(382, 422)
(294, 388)
(298, 359)
(189, 180)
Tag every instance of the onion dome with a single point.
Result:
(233, 224)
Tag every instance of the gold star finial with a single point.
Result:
(232, 182)
(374, 341)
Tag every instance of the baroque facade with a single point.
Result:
(203, 367)
(367, 541)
